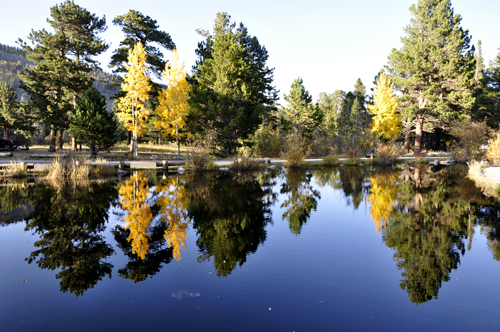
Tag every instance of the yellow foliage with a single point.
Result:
(383, 194)
(173, 105)
(131, 110)
(386, 120)
(134, 194)
(173, 209)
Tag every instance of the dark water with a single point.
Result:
(347, 249)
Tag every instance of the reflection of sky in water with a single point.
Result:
(180, 294)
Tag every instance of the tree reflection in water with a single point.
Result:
(427, 215)
(229, 213)
(69, 222)
(301, 200)
(156, 225)
(429, 227)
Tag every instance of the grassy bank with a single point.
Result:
(488, 187)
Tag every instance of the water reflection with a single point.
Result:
(383, 195)
(426, 215)
(69, 223)
(155, 225)
(301, 199)
(229, 213)
(429, 227)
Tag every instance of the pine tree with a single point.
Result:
(487, 105)
(13, 114)
(92, 124)
(358, 112)
(478, 76)
(435, 67)
(231, 89)
(173, 105)
(386, 120)
(300, 114)
(139, 28)
(63, 62)
(132, 112)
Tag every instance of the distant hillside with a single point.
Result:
(13, 59)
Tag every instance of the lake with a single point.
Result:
(409, 248)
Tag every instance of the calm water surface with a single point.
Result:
(347, 249)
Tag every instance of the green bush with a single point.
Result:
(267, 142)
(331, 160)
(294, 154)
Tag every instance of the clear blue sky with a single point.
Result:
(328, 43)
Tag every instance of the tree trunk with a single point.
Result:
(6, 132)
(178, 146)
(61, 135)
(134, 145)
(407, 137)
(418, 136)
(131, 145)
(129, 137)
(52, 145)
(93, 151)
(74, 147)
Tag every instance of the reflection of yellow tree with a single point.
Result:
(173, 209)
(134, 194)
(383, 194)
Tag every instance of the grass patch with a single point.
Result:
(15, 170)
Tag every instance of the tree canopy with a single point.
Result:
(435, 67)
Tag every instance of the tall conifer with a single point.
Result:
(435, 67)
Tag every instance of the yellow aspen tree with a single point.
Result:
(173, 207)
(131, 110)
(386, 119)
(173, 105)
(139, 217)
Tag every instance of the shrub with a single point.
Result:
(470, 136)
(198, 157)
(387, 153)
(322, 144)
(68, 170)
(267, 141)
(493, 149)
(294, 154)
(353, 155)
(331, 160)
(245, 163)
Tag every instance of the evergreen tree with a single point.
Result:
(487, 106)
(13, 114)
(478, 76)
(92, 124)
(359, 118)
(63, 62)
(231, 88)
(300, 114)
(326, 107)
(143, 29)
(435, 67)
